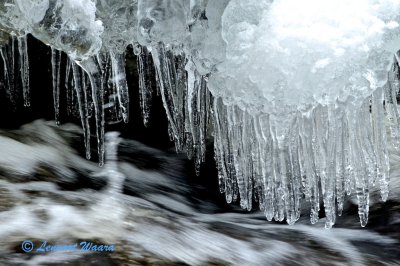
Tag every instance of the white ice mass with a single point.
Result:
(300, 96)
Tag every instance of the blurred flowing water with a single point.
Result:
(50, 192)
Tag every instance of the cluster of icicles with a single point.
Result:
(328, 152)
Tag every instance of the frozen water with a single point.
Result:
(298, 54)
(300, 96)
(68, 25)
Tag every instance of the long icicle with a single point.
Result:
(24, 63)
(145, 86)
(80, 88)
(93, 69)
(55, 67)
(8, 75)
(119, 77)
(67, 86)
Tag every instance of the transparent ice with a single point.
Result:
(300, 97)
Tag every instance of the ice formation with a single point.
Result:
(300, 96)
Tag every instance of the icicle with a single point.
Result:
(88, 110)
(206, 113)
(391, 90)
(256, 163)
(330, 151)
(81, 93)
(164, 84)
(69, 91)
(93, 69)
(222, 146)
(196, 112)
(263, 132)
(294, 184)
(172, 84)
(233, 131)
(279, 174)
(8, 74)
(312, 189)
(111, 105)
(145, 77)
(340, 161)
(247, 145)
(191, 125)
(379, 136)
(177, 66)
(257, 158)
(323, 150)
(12, 60)
(359, 165)
(329, 192)
(119, 78)
(55, 66)
(24, 63)
(219, 155)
